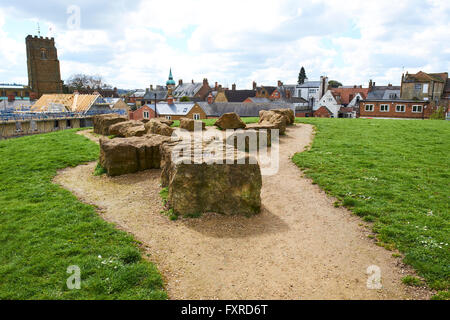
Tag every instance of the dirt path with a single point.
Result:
(299, 247)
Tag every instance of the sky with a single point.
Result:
(132, 44)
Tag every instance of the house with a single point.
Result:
(145, 112)
(116, 103)
(342, 102)
(18, 91)
(424, 86)
(136, 97)
(158, 94)
(81, 103)
(173, 110)
(195, 91)
(264, 91)
(312, 91)
(283, 91)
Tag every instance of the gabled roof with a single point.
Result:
(426, 77)
(242, 109)
(239, 95)
(160, 94)
(345, 95)
(71, 102)
(138, 94)
(384, 93)
(187, 89)
(174, 109)
(269, 89)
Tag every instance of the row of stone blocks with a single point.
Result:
(216, 181)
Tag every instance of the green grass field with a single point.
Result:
(44, 229)
(396, 174)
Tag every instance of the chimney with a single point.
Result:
(11, 97)
(288, 94)
(151, 87)
(170, 99)
(254, 85)
(280, 83)
(205, 82)
(180, 82)
(233, 87)
(370, 84)
(219, 88)
(192, 81)
(390, 85)
(215, 86)
(210, 98)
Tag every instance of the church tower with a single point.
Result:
(43, 66)
(170, 83)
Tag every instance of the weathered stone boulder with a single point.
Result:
(120, 129)
(288, 113)
(166, 121)
(104, 121)
(280, 121)
(127, 155)
(252, 133)
(230, 121)
(158, 127)
(138, 131)
(217, 183)
(189, 124)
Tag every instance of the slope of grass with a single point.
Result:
(395, 173)
(44, 229)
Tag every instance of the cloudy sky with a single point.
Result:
(132, 44)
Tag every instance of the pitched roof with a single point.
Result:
(10, 105)
(161, 94)
(187, 89)
(71, 102)
(345, 95)
(174, 109)
(384, 93)
(309, 84)
(239, 95)
(258, 100)
(242, 109)
(425, 77)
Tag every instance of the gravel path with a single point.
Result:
(299, 247)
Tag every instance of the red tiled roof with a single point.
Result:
(347, 94)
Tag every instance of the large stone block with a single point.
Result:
(127, 155)
(189, 124)
(157, 126)
(127, 129)
(104, 121)
(230, 120)
(268, 117)
(220, 182)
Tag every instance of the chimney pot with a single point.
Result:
(280, 83)
(210, 98)
(192, 81)
(254, 85)
(180, 82)
(233, 87)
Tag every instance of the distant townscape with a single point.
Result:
(46, 97)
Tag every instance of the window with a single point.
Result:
(185, 110)
(68, 123)
(418, 86)
(425, 88)
(369, 107)
(416, 108)
(400, 108)
(196, 116)
(392, 96)
(56, 124)
(43, 53)
(384, 108)
(146, 114)
(168, 117)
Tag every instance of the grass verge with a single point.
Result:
(394, 173)
(44, 229)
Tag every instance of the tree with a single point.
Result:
(334, 84)
(302, 76)
(82, 82)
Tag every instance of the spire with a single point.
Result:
(170, 81)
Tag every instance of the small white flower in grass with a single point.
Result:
(99, 256)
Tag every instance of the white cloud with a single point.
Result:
(241, 41)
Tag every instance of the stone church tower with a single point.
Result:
(43, 66)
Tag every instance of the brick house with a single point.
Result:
(407, 109)
(343, 102)
(143, 113)
(173, 110)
